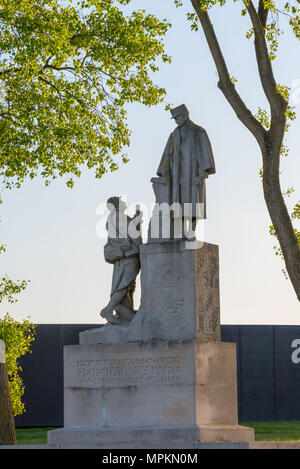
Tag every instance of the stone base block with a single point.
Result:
(154, 383)
(168, 437)
(164, 394)
(155, 393)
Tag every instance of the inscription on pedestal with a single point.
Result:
(128, 372)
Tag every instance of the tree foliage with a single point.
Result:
(8, 288)
(68, 69)
(18, 337)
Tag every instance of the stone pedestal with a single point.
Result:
(166, 381)
(180, 297)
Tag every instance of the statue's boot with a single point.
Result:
(109, 316)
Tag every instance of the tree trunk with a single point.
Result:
(279, 214)
(7, 424)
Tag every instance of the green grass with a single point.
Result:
(264, 431)
(275, 431)
(32, 436)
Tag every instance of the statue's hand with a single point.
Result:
(201, 175)
(138, 214)
(126, 245)
(159, 180)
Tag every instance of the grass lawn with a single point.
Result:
(264, 431)
(32, 436)
(275, 431)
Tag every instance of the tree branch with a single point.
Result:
(277, 102)
(58, 68)
(9, 70)
(263, 14)
(225, 84)
(51, 84)
(47, 62)
(59, 91)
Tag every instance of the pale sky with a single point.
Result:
(51, 232)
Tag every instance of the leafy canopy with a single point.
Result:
(67, 71)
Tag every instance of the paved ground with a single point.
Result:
(275, 445)
(255, 445)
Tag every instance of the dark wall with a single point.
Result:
(268, 380)
(43, 375)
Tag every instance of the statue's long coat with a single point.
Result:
(187, 153)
